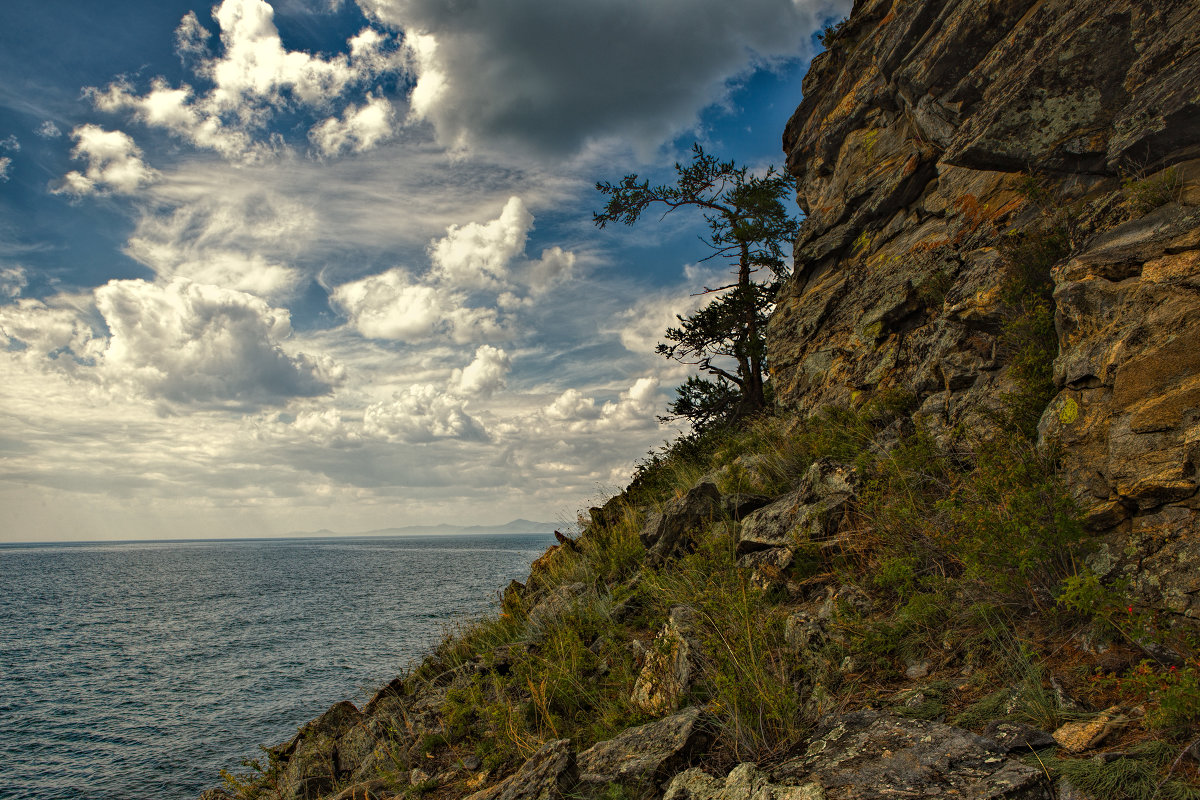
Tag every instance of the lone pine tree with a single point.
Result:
(749, 227)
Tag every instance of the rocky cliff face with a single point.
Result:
(937, 143)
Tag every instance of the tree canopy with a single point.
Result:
(749, 228)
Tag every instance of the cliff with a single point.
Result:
(961, 558)
(934, 134)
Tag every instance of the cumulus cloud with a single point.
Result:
(552, 75)
(634, 408)
(11, 143)
(360, 128)
(54, 334)
(390, 306)
(477, 256)
(48, 130)
(421, 414)
(572, 406)
(114, 164)
(191, 343)
(5, 164)
(484, 375)
(254, 76)
(469, 259)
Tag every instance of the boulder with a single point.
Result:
(668, 666)
(671, 531)
(768, 568)
(872, 756)
(549, 774)
(323, 752)
(810, 513)
(643, 758)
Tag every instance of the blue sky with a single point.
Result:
(319, 264)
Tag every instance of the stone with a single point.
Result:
(549, 774)
(326, 750)
(811, 512)
(872, 755)
(1017, 737)
(670, 532)
(643, 758)
(1086, 734)
(739, 504)
(768, 568)
(668, 666)
(555, 604)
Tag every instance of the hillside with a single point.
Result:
(961, 557)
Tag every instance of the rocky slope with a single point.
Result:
(933, 132)
(990, 339)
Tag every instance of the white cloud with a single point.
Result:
(360, 128)
(237, 239)
(48, 130)
(114, 164)
(552, 75)
(191, 38)
(422, 414)
(191, 343)
(49, 335)
(572, 406)
(11, 143)
(390, 306)
(5, 163)
(634, 409)
(254, 76)
(484, 375)
(12, 281)
(477, 256)
(555, 266)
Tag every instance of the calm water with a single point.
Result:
(138, 670)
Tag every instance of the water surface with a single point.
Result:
(139, 669)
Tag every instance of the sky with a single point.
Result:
(276, 267)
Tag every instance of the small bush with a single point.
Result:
(1143, 195)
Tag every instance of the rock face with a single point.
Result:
(913, 150)
(642, 758)
(869, 756)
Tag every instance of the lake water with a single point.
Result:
(138, 670)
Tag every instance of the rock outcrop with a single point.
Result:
(870, 756)
(932, 136)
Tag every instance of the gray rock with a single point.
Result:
(812, 512)
(549, 774)
(326, 750)
(667, 534)
(643, 758)
(868, 755)
(668, 666)
(738, 505)
(1017, 737)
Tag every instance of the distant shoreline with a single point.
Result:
(312, 536)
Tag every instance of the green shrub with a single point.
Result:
(1143, 195)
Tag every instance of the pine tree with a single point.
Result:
(726, 338)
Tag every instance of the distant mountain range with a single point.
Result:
(516, 526)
